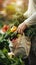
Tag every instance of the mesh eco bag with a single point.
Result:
(22, 42)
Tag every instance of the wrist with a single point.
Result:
(25, 26)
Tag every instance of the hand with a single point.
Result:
(21, 28)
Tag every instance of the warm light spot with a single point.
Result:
(18, 2)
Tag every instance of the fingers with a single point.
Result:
(19, 30)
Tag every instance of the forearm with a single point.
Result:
(31, 20)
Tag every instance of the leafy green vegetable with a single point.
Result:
(5, 60)
(4, 49)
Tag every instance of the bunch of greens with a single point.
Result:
(5, 59)
(4, 39)
(4, 49)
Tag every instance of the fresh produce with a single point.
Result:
(13, 29)
(5, 60)
(4, 50)
(4, 42)
(11, 33)
(5, 28)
